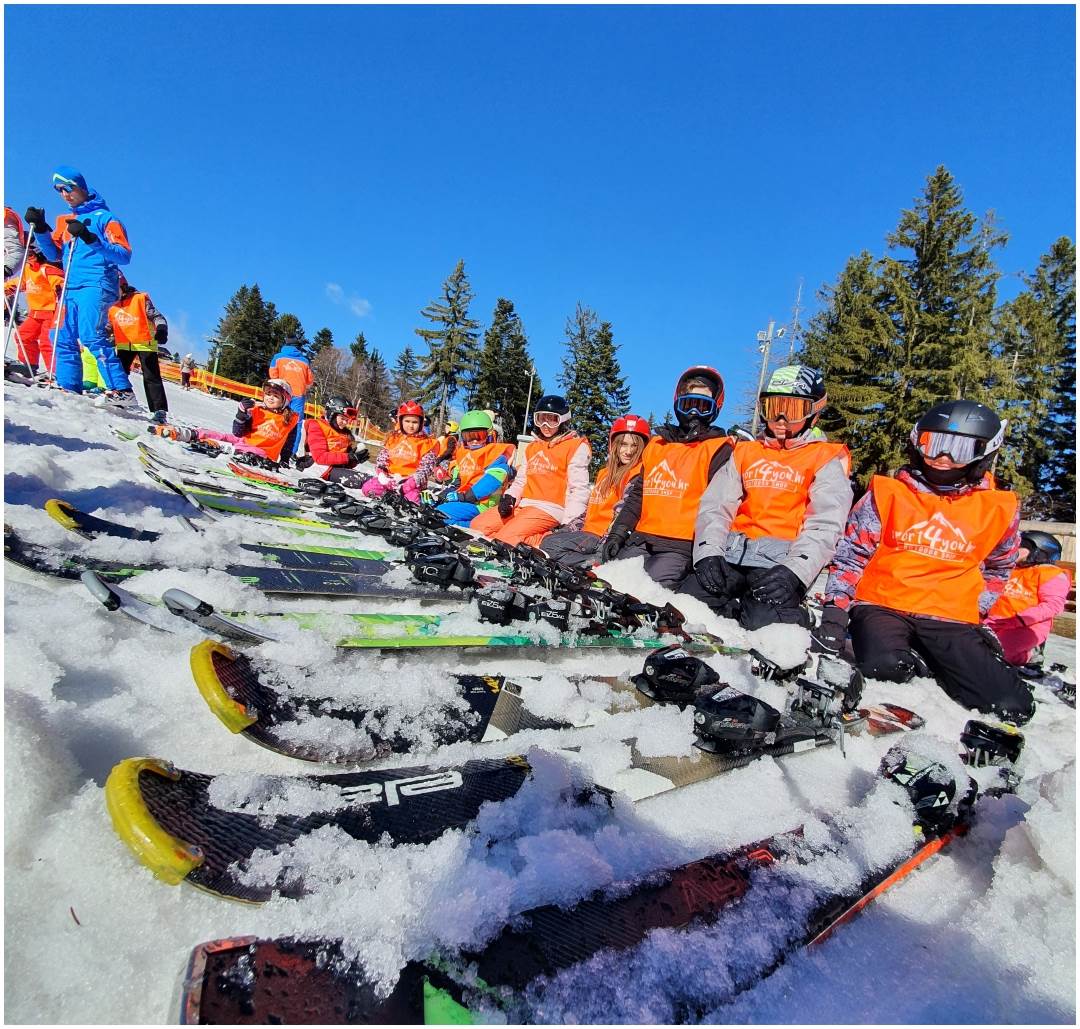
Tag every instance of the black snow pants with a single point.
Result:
(667, 561)
(153, 387)
(966, 660)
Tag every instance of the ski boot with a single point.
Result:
(159, 417)
(173, 432)
(931, 788)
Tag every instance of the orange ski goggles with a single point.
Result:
(792, 409)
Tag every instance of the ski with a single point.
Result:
(298, 718)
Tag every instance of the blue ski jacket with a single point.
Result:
(93, 264)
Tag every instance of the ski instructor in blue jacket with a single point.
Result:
(92, 244)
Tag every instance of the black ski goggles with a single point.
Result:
(699, 404)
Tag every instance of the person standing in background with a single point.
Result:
(137, 327)
(292, 366)
(41, 286)
(187, 367)
(91, 244)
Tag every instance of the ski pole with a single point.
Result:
(15, 301)
(60, 311)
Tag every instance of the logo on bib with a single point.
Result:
(663, 482)
(768, 474)
(540, 462)
(935, 537)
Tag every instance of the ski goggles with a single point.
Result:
(548, 418)
(699, 404)
(473, 438)
(959, 449)
(782, 405)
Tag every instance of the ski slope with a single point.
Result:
(984, 933)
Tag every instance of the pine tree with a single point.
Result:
(375, 391)
(450, 365)
(1035, 386)
(246, 339)
(405, 378)
(593, 380)
(288, 327)
(505, 370)
(850, 341)
(323, 338)
(359, 348)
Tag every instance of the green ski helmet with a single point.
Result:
(795, 393)
(470, 428)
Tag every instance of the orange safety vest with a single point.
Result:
(931, 550)
(776, 486)
(336, 442)
(601, 510)
(406, 452)
(131, 326)
(1021, 592)
(296, 373)
(40, 284)
(673, 477)
(470, 464)
(546, 467)
(269, 430)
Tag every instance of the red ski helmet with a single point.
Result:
(410, 408)
(632, 423)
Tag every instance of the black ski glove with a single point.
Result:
(507, 505)
(35, 216)
(161, 334)
(304, 462)
(831, 634)
(716, 576)
(613, 542)
(80, 230)
(778, 586)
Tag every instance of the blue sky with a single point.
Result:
(677, 169)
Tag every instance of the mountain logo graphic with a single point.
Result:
(663, 482)
(936, 537)
(540, 462)
(768, 474)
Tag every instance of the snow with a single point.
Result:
(984, 933)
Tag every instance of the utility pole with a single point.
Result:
(764, 340)
(795, 323)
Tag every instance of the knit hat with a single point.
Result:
(65, 175)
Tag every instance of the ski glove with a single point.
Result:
(717, 576)
(507, 505)
(613, 542)
(304, 462)
(161, 334)
(778, 586)
(466, 496)
(35, 216)
(80, 230)
(832, 632)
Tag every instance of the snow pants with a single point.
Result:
(240, 445)
(751, 614)
(35, 339)
(572, 549)
(667, 561)
(153, 387)
(86, 313)
(185, 380)
(525, 525)
(966, 660)
(458, 512)
(380, 484)
(297, 405)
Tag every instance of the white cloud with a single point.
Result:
(357, 304)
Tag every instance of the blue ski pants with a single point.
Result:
(86, 312)
(297, 405)
(458, 512)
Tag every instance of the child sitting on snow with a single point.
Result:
(261, 428)
(406, 459)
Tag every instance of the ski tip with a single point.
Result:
(169, 858)
(64, 513)
(101, 591)
(209, 659)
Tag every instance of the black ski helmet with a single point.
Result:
(698, 374)
(551, 403)
(961, 418)
(335, 406)
(802, 382)
(1044, 548)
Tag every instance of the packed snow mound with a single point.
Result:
(985, 932)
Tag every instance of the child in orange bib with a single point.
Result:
(406, 459)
